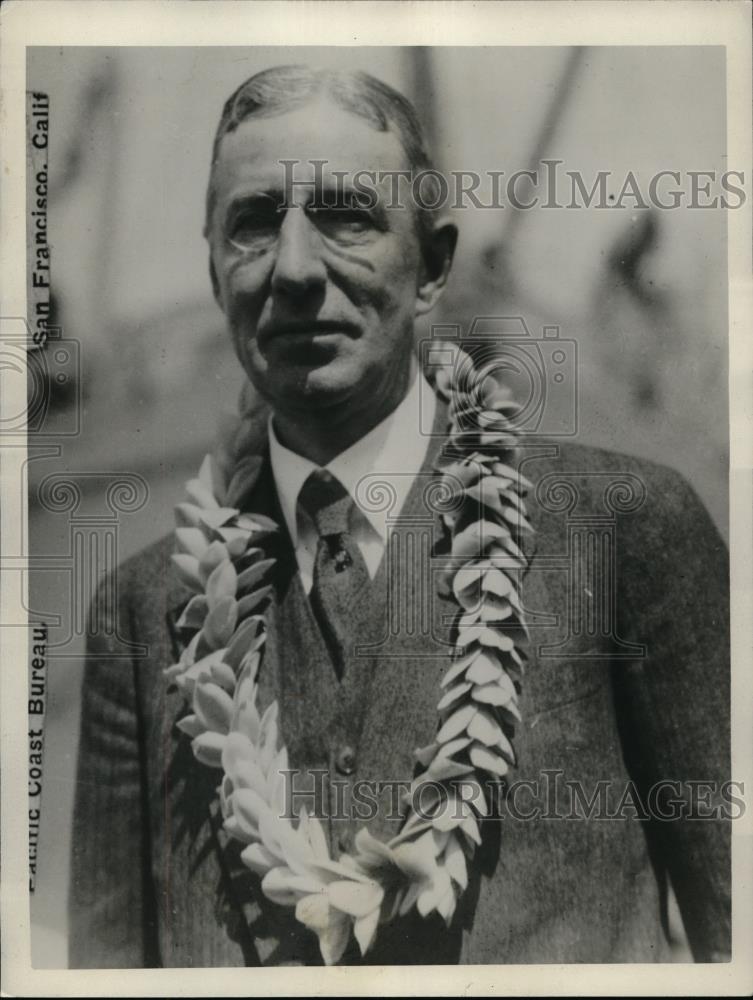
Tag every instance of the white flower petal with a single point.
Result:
(314, 911)
(221, 582)
(192, 541)
(453, 694)
(208, 748)
(456, 723)
(364, 930)
(250, 577)
(334, 940)
(484, 728)
(214, 556)
(488, 761)
(258, 859)
(191, 725)
(357, 899)
(211, 477)
(285, 887)
(316, 838)
(498, 692)
(198, 494)
(218, 517)
(213, 706)
(485, 668)
(188, 570)
(454, 861)
(188, 515)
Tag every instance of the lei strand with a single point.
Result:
(219, 557)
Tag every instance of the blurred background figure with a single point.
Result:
(642, 291)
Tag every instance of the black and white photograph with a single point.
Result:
(373, 558)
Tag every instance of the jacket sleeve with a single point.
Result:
(108, 909)
(673, 704)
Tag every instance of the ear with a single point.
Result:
(438, 252)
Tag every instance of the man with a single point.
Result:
(626, 688)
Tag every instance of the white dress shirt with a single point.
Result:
(392, 452)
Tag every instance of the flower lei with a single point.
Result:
(220, 559)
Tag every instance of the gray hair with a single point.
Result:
(281, 89)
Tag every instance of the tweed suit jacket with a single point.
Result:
(627, 686)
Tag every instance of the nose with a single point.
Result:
(298, 268)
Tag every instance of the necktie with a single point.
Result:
(339, 568)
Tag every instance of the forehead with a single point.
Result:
(251, 156)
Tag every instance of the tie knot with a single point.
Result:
(327, 502)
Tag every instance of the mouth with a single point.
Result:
(305, 330)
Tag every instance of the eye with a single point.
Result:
(344, 222)
(354, 218)
(255, 224)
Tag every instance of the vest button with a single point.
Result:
(345, 761)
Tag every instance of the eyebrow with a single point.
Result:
(248, 197)
(316, 191)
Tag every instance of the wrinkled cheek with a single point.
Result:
(243, 308)
(244, 284)
(398, 298)
(384, 294)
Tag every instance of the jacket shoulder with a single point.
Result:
(597, 468)
(578, 458)
(149, 562)
(149, 575)
(578, 479)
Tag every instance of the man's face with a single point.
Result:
(320, 302)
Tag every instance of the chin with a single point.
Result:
(318, 388)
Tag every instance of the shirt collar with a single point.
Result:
(395, 449)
